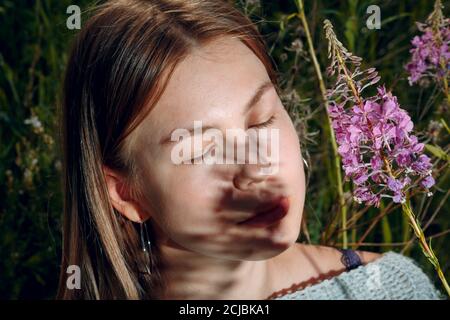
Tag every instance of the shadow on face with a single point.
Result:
(197, 210)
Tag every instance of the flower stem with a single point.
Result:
(444, 67)
(446, 91)
(426, 249)
(337, 162)
(409, 215)
(415, 225)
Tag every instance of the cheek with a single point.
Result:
(292, 170)
(187, 196)
(290, 153)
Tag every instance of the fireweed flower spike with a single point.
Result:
(379, 153)
(430, 55)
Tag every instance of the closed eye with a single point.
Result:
(265, 124)
(207, 150)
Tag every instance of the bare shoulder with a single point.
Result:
(326, 259)
(368, 256)
(304, 264)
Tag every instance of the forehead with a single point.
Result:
(213, 82)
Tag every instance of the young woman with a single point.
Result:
(140, 225)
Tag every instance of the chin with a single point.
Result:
(285, 234)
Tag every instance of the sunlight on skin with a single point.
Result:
(196, 209)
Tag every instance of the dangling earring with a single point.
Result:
(146, 247)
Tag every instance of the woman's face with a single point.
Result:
(200, 207)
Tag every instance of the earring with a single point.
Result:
(146, 247)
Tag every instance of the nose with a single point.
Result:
(257, 165)
(249, 176)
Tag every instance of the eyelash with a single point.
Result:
(265, 124)
(202, 155)
(261, 125)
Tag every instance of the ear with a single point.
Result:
(120, 197)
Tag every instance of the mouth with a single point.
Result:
(269, 215)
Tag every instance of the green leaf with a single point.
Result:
(437, 151)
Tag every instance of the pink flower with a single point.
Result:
(430, 55)
(379, 153)
(373, 135)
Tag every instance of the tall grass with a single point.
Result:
(33, 51)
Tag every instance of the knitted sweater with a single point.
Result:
(392, 276)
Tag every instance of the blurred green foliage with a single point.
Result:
(34, 43)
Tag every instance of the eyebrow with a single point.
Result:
(259, 92)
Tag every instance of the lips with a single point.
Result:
(271, 214)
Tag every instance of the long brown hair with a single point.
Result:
(118, 67)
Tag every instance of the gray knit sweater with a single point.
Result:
(392, 276)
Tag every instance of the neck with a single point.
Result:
(190, 275)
